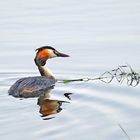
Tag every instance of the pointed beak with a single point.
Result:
(62, 54)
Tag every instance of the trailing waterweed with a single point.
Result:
(121, 73)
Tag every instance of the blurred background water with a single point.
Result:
(98, 35)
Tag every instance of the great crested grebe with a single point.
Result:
(30, 86)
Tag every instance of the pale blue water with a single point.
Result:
(99, 36)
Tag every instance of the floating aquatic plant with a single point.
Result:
(121, 73)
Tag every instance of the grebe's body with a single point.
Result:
(33, 86)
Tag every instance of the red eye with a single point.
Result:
(55, 52)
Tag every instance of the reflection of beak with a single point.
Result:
(61, 54)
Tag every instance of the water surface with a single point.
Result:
(99, 36)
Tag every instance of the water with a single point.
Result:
(98, 35)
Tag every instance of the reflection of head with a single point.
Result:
(49, 107)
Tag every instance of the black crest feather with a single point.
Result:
(44, 47)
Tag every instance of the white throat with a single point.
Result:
(44, 71)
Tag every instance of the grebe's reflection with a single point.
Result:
(48, 106)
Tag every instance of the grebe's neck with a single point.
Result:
(44, 71)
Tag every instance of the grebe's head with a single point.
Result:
(47, 52)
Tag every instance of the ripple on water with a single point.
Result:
(93, 107)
